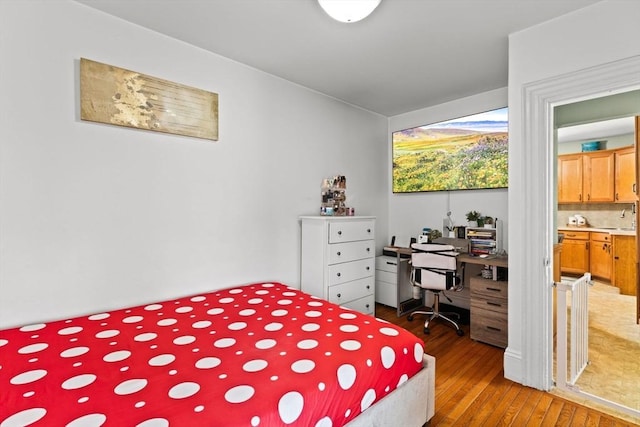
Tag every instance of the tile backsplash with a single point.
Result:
(607, 215)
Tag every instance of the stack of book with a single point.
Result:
(481, 242)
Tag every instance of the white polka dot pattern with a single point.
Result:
(258, 355)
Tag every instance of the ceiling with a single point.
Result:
(409, 54)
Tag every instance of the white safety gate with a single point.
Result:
(577, 329)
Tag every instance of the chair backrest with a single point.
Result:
(434, 266)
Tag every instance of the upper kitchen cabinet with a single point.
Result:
(625, 174)
(570, 178)
(586, 177)
(598, 176)
(602, 176)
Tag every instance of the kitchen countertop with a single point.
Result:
(612, 231)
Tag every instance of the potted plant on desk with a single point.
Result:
(474, 218)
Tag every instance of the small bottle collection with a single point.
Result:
(334, 197)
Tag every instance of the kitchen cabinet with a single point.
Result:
(598, 176)
(625, 174)
(586, 177)
(575, 252)
(570, 178)
(624, 264)
(338, 260)
(600, 255)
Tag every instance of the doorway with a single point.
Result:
(613, 372)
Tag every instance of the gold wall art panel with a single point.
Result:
(121, 97)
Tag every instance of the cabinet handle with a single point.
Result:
(391, 263)
(339, 253)
(495, 304)
(588, 197)
(491, 328)
(633, 187)
(580, 196)
(494, 289)
(617, 197)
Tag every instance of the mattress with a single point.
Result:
(262, 354)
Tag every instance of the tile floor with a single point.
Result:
(613, 373)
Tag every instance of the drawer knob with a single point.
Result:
(368, 230)
(339, 233)
(368, 268)
(339, 274)
(368, 287)
(339, 253)
(339, 295)
(368, 249)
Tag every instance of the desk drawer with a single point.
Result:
(496, 307)
(349, 271)
(387, 263)
(489, 289)
(489, 327)
(351, 251)
(345, 292)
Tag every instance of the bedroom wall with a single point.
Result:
(567, 44)
(94, 217)
(410, 212)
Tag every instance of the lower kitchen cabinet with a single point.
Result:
(624, 264)
(600, 255)
(575, 252)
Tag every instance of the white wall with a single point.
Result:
(410, 212)
(94, 217)
(570, 49)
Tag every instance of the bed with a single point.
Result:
(262, 354)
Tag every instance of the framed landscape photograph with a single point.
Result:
(466, 153)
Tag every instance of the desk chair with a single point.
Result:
(433, 269)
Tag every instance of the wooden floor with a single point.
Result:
(471, 389)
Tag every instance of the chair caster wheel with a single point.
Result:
(426, 331)
(409, 318)
(460, 332)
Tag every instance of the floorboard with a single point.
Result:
(471, 389)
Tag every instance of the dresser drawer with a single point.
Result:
(364, 305)
(351, 251)
(345, 292)
(387, 263)
(349, 271)
(489, 289)
(349, 231)
(489, 327)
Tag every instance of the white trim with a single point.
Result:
(539, 99)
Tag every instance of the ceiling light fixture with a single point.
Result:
(348, 10)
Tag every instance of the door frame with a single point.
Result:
(539, 100)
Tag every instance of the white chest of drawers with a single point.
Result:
(338, 260)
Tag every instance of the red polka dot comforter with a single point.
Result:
(257, 355)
